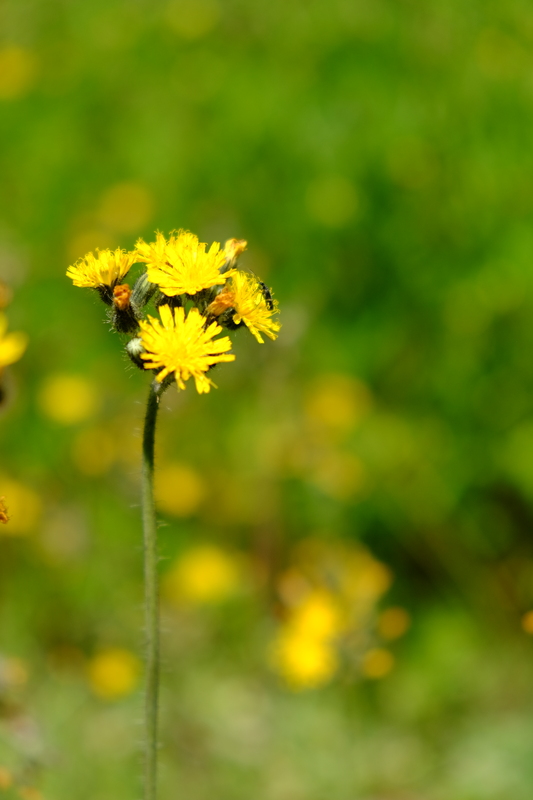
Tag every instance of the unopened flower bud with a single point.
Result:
(134, 348)
(124, 317)
(233, 249)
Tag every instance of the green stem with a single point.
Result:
(151, 597)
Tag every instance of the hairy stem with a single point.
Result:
(150, 596)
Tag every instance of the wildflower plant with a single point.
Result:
(174, 315)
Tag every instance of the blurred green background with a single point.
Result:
(346, 538)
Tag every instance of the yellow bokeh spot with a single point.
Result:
(179, 489)
(337, 402)
(17, 71)
(304, 661)
(114, 673)
(192, 19)
(6, 778)
(14, 672)
(23, 505)
(94, 451)
(319, 616)
(377, 663)
(332, 200)
(393, 623)
(68, 399)
(527, 622)
(364, 579)
(204, 574)
(126, 207)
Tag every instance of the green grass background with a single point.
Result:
(377, 157)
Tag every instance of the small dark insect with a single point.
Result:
(267, 294)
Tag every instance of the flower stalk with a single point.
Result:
(151, 595)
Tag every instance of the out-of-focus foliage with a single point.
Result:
(376, 155)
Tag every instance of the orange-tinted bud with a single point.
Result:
(221, 303)
(121, 296)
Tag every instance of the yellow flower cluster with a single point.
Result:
(330, 594)
(197, 292)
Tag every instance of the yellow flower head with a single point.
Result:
(182, 345)
(12, 345)
(181, 265)
(106, 268)
(246, 295)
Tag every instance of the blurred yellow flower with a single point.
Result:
(68, 399)
(94, 451)
(393, 623)
(183, 346)
(126, 207)
(113, 673)
(107, 268)
(181, 265)
(204, 574)
(17, 71)
(303, 661)
(179, 489)
(12, 345)
(319, 616)
(337, 402)
(25, 507)
(377, 663)
(245, 294)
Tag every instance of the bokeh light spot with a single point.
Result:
(113, 673)
(377, 663)
(94, 451)
(68, 399)
(193, 19)
(18, 67)
(179, 489)
(337, 402)
(204, 574)
(393, 623)
(527, 622)
(318, 616)
(303, 661)
(126, 207)
(6, 778)
(14, 672)
(332, 200)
